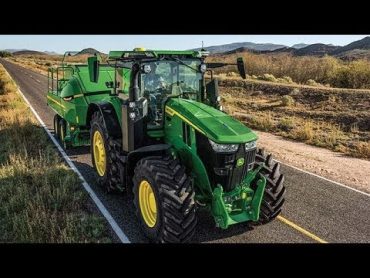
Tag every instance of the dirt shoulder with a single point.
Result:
(350, 171)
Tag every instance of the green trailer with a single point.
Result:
(155, 127)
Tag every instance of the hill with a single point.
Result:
(317, 49)
(242, 45)
(88, 51)
(299, 45)
(12, 50)
(29, 52)
(360, 44)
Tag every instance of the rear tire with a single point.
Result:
(273, 197)
(109, 177)
(174, 219)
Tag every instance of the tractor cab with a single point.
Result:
(148, 79)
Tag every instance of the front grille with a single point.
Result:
(222, 168)
(250, 157)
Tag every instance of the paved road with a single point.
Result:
(328, 211)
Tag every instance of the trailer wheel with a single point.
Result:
(164, 200)
(56, 126)
(273, 198)
(103, 155)
(62, 130)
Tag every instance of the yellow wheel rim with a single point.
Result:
(99, 153)
(147, 203)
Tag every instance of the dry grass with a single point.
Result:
(335, 119)
(361, 149)
(311, 70)
(42, 200)
(41, 63)
(304, 132)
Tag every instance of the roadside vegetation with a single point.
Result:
(332, 118)
(41, 63)
(281, 68)
(42, 200)
(324, 71)
(4, 54)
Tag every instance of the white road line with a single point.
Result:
(335, 182)
(121, 235)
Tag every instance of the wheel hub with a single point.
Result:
(99, 153)
(147, 203)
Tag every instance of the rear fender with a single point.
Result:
(109, 116)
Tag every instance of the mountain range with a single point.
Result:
(354, 50)
(34, 52)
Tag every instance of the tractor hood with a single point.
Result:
(216, 125)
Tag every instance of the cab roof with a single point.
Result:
(145, 54)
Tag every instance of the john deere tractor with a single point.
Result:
(155, 127)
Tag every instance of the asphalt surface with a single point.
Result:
(332, 213)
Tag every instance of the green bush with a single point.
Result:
(5, 54)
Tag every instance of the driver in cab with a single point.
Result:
(153, 81)
(154, 84)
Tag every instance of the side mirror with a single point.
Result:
(93, 64)
(212, 93)
(241, 67)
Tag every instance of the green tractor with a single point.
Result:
(155, 126)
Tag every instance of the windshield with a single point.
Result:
(172, 77)
(169, 78)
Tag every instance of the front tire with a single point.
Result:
(164, 200)
(273, 197)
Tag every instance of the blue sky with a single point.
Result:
(104, 43)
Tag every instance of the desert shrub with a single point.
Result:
(355, 74)
(262, 122)
(287, 101)
(267, 77)
(287, 79)
(232, 74)
(286, 124)
(4, 54)
(361, 149)
(304, 132)
(311, 82)
(295, 91)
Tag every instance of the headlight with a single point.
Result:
(223, 148)
(250, 145)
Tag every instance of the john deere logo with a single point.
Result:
(240, 162)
